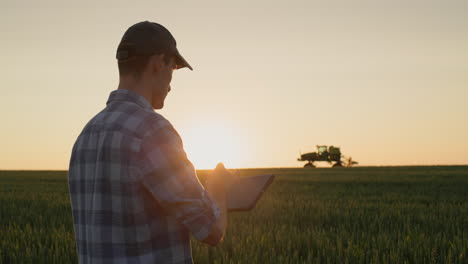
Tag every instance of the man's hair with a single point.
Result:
(136, 65)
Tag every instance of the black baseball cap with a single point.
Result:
(149, 38)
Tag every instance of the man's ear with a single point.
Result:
(156, 62)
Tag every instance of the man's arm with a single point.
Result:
(170, 177)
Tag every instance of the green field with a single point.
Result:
(343, 215)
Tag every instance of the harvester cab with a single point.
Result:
(322, 151)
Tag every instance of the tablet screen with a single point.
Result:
(244, 195)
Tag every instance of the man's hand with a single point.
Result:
(221, 179)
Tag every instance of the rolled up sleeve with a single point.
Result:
(171, 178)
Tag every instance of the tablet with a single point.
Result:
(244, 195)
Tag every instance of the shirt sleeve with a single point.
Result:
(170, 177)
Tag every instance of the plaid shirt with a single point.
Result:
(135, 196)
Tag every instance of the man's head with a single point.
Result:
(146, 57)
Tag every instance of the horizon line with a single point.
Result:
(252, 168)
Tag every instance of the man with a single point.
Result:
(135, 196)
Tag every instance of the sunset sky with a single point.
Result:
(387, 81)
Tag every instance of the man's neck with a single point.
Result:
(137, 86)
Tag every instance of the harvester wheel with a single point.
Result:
(309, 165)
(337, 165)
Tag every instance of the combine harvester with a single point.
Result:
(329, 154)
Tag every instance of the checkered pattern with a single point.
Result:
(135, 196)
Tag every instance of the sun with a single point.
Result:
(212, 142)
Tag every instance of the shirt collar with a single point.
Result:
(129, 96)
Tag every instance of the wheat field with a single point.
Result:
(324, 215)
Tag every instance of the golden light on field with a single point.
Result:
(208, 143)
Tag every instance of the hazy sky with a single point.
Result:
(385, 80)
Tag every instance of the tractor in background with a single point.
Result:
(329, 154)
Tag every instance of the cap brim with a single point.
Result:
(181, 62)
